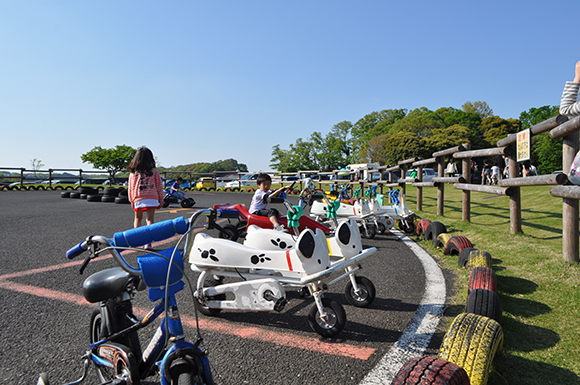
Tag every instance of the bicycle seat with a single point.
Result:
(107, 284)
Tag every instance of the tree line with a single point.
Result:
(389, 136)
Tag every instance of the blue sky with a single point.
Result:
(203, 81)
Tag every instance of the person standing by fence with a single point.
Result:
(569, 105)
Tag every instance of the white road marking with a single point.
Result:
(420, 330)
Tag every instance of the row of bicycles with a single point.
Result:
(254, 275)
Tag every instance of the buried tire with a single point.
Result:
(456, 245)
(471, 258)
(482, 278)
(422, 227)
(366, 294)
(472, 342)
(427, 370)
(433, 231)
(333, 323)
(442, 240)
(484, 302)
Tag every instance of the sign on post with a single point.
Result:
(523, 145)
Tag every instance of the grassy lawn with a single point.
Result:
(539, 292)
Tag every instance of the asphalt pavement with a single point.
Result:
(45, 320)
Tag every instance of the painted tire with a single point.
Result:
(479, 258)
(482, 278)
(472, 342)
(422, 227)
(464, 256)
(456, 245)
(433, 231)
(442, 240)
(427, 370)
(484, 302)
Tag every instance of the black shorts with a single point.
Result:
(270, 212)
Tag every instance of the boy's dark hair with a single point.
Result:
(262, 178)
(180, 179)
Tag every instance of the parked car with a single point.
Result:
(245, 180)
(428, 174)
(205, 183)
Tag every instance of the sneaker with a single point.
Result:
(279, 227)
(148, 246)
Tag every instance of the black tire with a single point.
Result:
(365, 297)
(427, 370)
(112, 191)
(65, 194)
(186, 203)
(209, 282)
(185, 379)
(484, 302)
(165, 203)
(336, 322)
(88, 190)
(94, 198)
(122, 200)
(464, 257)
(123, 193)
(433, 231)
(108, 198)
(83, 196)
(229, 232)
(369, 231)
(406, 226)
(128, 368)
(75, 195)
(381, 228)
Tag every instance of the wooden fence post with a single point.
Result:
(515, 198)
(466, 196)
(570, 210)
(440, 186)
(420, 189)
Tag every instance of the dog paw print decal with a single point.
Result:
(281, 244)
(255, 259)
(209, 254)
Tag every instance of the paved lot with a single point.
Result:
(44, 323)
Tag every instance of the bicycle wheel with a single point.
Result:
(124, 365)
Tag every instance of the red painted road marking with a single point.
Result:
(249, 332)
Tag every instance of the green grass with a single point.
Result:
(539, 292)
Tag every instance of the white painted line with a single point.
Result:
(420, 330)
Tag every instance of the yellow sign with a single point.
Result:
(523, 145)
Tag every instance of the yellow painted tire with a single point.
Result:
(442, 239)
(479, 258)
(472, 342)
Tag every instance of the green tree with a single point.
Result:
(404, 145)
(546, 152)
(371, 125)
(494, 128)
(442, 138)
(111, 159)
(482, 108)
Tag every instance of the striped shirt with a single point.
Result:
(570, 106)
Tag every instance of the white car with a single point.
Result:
(428, 174)
(245, 180)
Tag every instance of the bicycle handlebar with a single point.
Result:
(145, 234)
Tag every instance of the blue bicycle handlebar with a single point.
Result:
(77, 250)
(146, 234)
(228, 213)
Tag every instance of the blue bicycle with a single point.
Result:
(115, 349)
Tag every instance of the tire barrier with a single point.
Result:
(433, 231)
(108, 198)
(122, 200)
(94, 198)
(482, 278)
(472, 343)
(471, 258)
(75, 195)
(456, 245)
(422, 227)
(484, 302)
(442, 240)
(65, 194)
(427, 370)
(111, 191)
